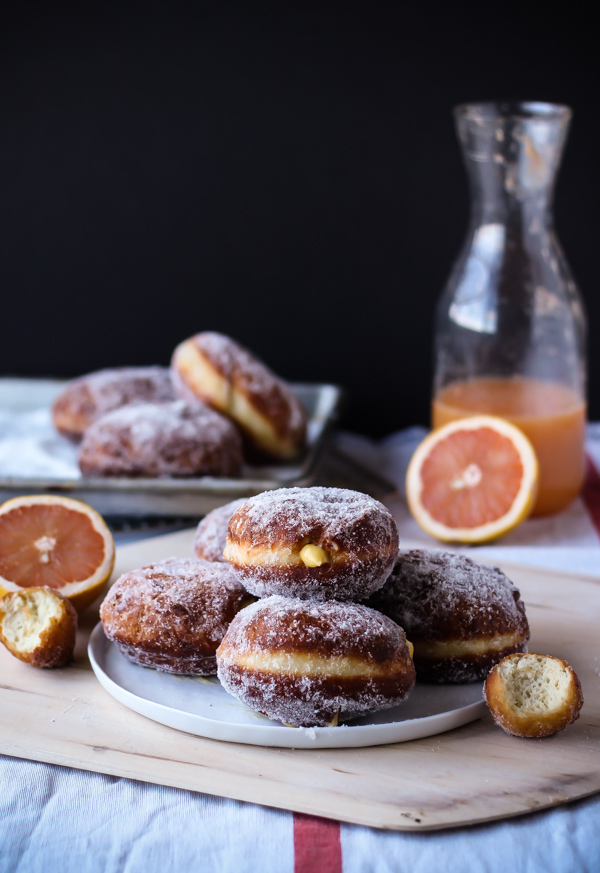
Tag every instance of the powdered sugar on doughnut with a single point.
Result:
(211, 534)
(439, 594)
(331, 628)
(87, 398)
(173, 614)
(111, 388)
(356, 530)
(337, 515)
(321, 633)
(238, 364)
(166, 439)
(247, 374)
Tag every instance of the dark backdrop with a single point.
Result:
(286, 173)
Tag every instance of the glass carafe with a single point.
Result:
(510, 325)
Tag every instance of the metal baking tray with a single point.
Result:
(35, 459)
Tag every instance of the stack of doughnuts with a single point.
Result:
(307, 653)
(217, 403)
(315, 603)
(313, 554)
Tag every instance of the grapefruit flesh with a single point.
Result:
(472, 480)
(54, 542)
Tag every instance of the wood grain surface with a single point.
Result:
(473, 774)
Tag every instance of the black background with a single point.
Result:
(286, 173)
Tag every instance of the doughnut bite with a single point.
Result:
(462, 617)
(172, 615)
(84, 400)
(532, 695)
(161, 439)
(38, 626)
(214, 368)
(313, 543)
(211, 533)
(309, 663)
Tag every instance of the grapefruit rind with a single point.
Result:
(521, 506)
(83, 592)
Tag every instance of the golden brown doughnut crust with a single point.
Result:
(531, 695)
(269, 531)
(161, 439)
(217, 370)
(172, 615)
(57, 630)
(462, 617)
(211, 533)
(304, 663)
(84, 400)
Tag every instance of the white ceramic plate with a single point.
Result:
(199, 705)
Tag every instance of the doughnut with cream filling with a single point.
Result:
(314, 543)
(311, 663)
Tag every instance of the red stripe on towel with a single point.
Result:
(317, 846)
(591, 493)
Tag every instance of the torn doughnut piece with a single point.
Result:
(307, 664)
(38, 626)
(314, 543)
(531, 695)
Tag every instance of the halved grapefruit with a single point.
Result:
(472, 480)
(55, 542)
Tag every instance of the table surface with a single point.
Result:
(54, 817)
(65, 717)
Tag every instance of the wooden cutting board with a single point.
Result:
(473, 774)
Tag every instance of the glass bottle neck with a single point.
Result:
(493, 204)
(512, 154)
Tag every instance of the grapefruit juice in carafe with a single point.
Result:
(510, 326)
(553, 418)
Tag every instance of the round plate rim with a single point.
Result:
(346, 736)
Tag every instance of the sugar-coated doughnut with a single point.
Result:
(38, 626)
(315, 543)
(211, 533)
(308, 663)
(161, 439)
(462, 617)
(84, 400)
(531, 695)
(214, 368)
(172, 615)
